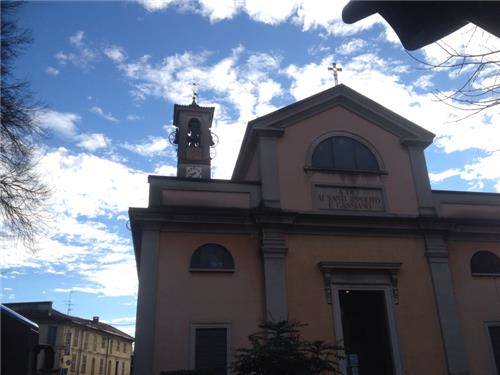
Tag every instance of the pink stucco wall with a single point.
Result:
(416, 314)
(294, 144)
(185, 297)
(478, 301)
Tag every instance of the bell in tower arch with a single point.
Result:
(193, 136)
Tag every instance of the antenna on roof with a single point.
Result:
(69, 304)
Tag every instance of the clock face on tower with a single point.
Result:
(193, 172)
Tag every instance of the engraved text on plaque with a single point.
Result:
(347, 198)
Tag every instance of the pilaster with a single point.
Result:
(146, 303)
(274, 250)
(437, 257)
(421, 180)
(268, 164)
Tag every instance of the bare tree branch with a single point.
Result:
(22, 192)
(480, 90)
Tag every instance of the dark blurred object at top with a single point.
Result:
(419, 23)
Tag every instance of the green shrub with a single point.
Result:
(279, 349)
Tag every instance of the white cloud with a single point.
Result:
(484, 169)
(424, 81)
(86, 189)
(64, 124)
(51, 71)
(61, 123)
(133, 117)
(165, 170)
(77, 38)
(153, 146)
(352, 46)
(154, 5)
(115, 53)
(82, 55)
(390, 35)
(307, 14)
(93, 141)
(243, 85)
(100, 112)
(77, 192)
(441, 176)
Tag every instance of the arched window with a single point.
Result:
(485, 263)
(339, 152)
(212, 257)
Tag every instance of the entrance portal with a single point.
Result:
(366, 332)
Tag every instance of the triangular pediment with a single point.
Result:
(276, 122)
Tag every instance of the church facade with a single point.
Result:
(329, 219)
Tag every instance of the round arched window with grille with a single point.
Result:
(485, 263)
(344, 153)
(212, 257)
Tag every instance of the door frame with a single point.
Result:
(364, 276)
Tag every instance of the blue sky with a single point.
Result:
(110, 72)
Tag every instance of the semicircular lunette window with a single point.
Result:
(339, 152)
(212, 257)
(485, 263)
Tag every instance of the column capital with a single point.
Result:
(273, 243)
(436, 248)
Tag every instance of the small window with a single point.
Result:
(67, 346)
(485, 263)
(84, 363)
(52, 335)
(73, 362)
(212, 257)
(343, 153)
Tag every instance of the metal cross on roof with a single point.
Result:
(335, 70)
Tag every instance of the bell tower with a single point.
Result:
(193, 139)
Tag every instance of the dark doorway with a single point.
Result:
(211, 350)
(366, 332)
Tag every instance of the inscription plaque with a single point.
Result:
(347, 198)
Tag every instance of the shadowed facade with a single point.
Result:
(329, 215)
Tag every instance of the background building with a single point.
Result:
(329, 219)
(82, 346)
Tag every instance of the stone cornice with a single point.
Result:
(313, 222)
(253, 221)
